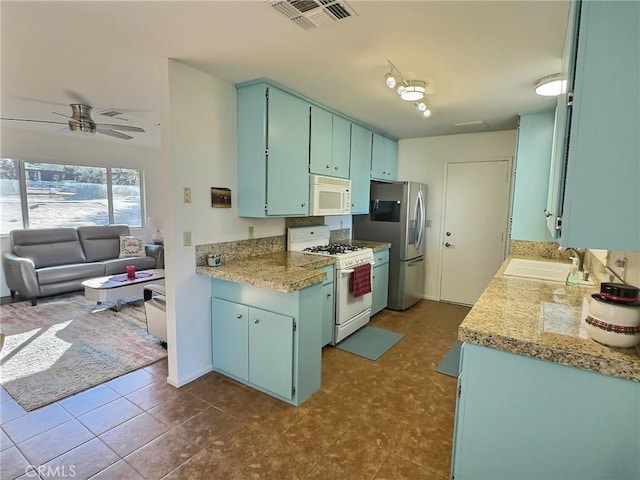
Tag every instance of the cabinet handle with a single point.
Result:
(239, 316)
(328, 166)
(547, 213)
(336, 167)
(256, 320)
(302, 204)
(328, 295)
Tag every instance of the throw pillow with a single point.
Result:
(131, 246)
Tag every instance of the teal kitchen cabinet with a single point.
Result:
(328, 313)
(268, 339)
(384, 158)
(597, 189)
(521, 417)
(330, 144)
(533, 159)
(273, 152)
(380, 287)
(361, 139)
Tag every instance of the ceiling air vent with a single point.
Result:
(310, 14)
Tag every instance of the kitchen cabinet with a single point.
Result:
(328, 312)
(330, 144)
(268, 339)
(273, 152)
(533, 158)
(595, 175)
(515, 410)
(360, 169)
(384, 158)
(380, 287)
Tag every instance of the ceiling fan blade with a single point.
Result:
(113, 133)
(77, 98)
(124, 128)
(35, 121)
(63, 115)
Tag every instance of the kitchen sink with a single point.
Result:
(549, 271)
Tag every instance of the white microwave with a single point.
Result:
(329, 195)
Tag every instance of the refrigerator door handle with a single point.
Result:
(415, 261)
(419, 215)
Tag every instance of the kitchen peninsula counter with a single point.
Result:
(282, 271)
(543, 320)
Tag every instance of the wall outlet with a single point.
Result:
(186, 240)
(251, 232)
(428, 223)
(187, 194)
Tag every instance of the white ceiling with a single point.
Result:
(480, 58)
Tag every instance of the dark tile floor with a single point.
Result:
(388, 419)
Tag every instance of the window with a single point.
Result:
(42, 195)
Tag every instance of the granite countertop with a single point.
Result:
(283, 271)
(375, 246)
(543, 320)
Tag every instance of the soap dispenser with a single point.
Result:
(573, 278)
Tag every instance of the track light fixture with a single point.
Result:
(409, 90)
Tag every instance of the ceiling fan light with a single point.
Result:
(550, 86)
(426, 113)
(421, 106)
(413, 91)
(401, 88)
(391, 80)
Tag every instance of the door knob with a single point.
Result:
(448, 245)
(256, 321)
(239, 316)
(448, 234)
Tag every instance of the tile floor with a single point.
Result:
(388, 419)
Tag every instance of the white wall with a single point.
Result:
(424, 160)
(199, 151)
(81, 150)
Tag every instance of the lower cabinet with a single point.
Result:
(328, 314)
(267, 339)
(380, 287)
(520, 417)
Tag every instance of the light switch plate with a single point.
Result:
(187, 194)
(187, 239)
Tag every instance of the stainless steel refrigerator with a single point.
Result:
(397, 215)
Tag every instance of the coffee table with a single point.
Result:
(114, 288)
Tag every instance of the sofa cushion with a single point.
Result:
(65, 273)
(101, 242)
(48, 246)
(117, 265)
(131, 246)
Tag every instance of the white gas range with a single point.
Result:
(351, 312)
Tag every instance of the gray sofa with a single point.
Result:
(50, 261)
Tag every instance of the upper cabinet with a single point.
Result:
(360, 168)
(273, 152)
(595, 175)
(384, 158)
(330, 144)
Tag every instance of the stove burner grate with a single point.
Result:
(333, 248)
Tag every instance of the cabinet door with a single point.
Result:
(321, 142)
(380, 288)
(603, 169)
(288, 158)
(230, 337)
(341, 147)
(271, 351)
(360, 169)
(327, 314)
(384, 158)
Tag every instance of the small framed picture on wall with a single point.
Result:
(220, 197)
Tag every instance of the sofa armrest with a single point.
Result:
(20, 274)
(155, 251)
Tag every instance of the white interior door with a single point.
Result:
(474, 232)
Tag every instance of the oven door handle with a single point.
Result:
(348, 271)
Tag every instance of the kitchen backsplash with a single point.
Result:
(538, 249)
(262, 246)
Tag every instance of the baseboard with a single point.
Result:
(431, 297)
(183, 381)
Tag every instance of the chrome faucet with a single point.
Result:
(580, 252)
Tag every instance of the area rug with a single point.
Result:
(370, 342)
(450, 364)
(59, 347)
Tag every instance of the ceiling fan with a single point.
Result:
(81, 121)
